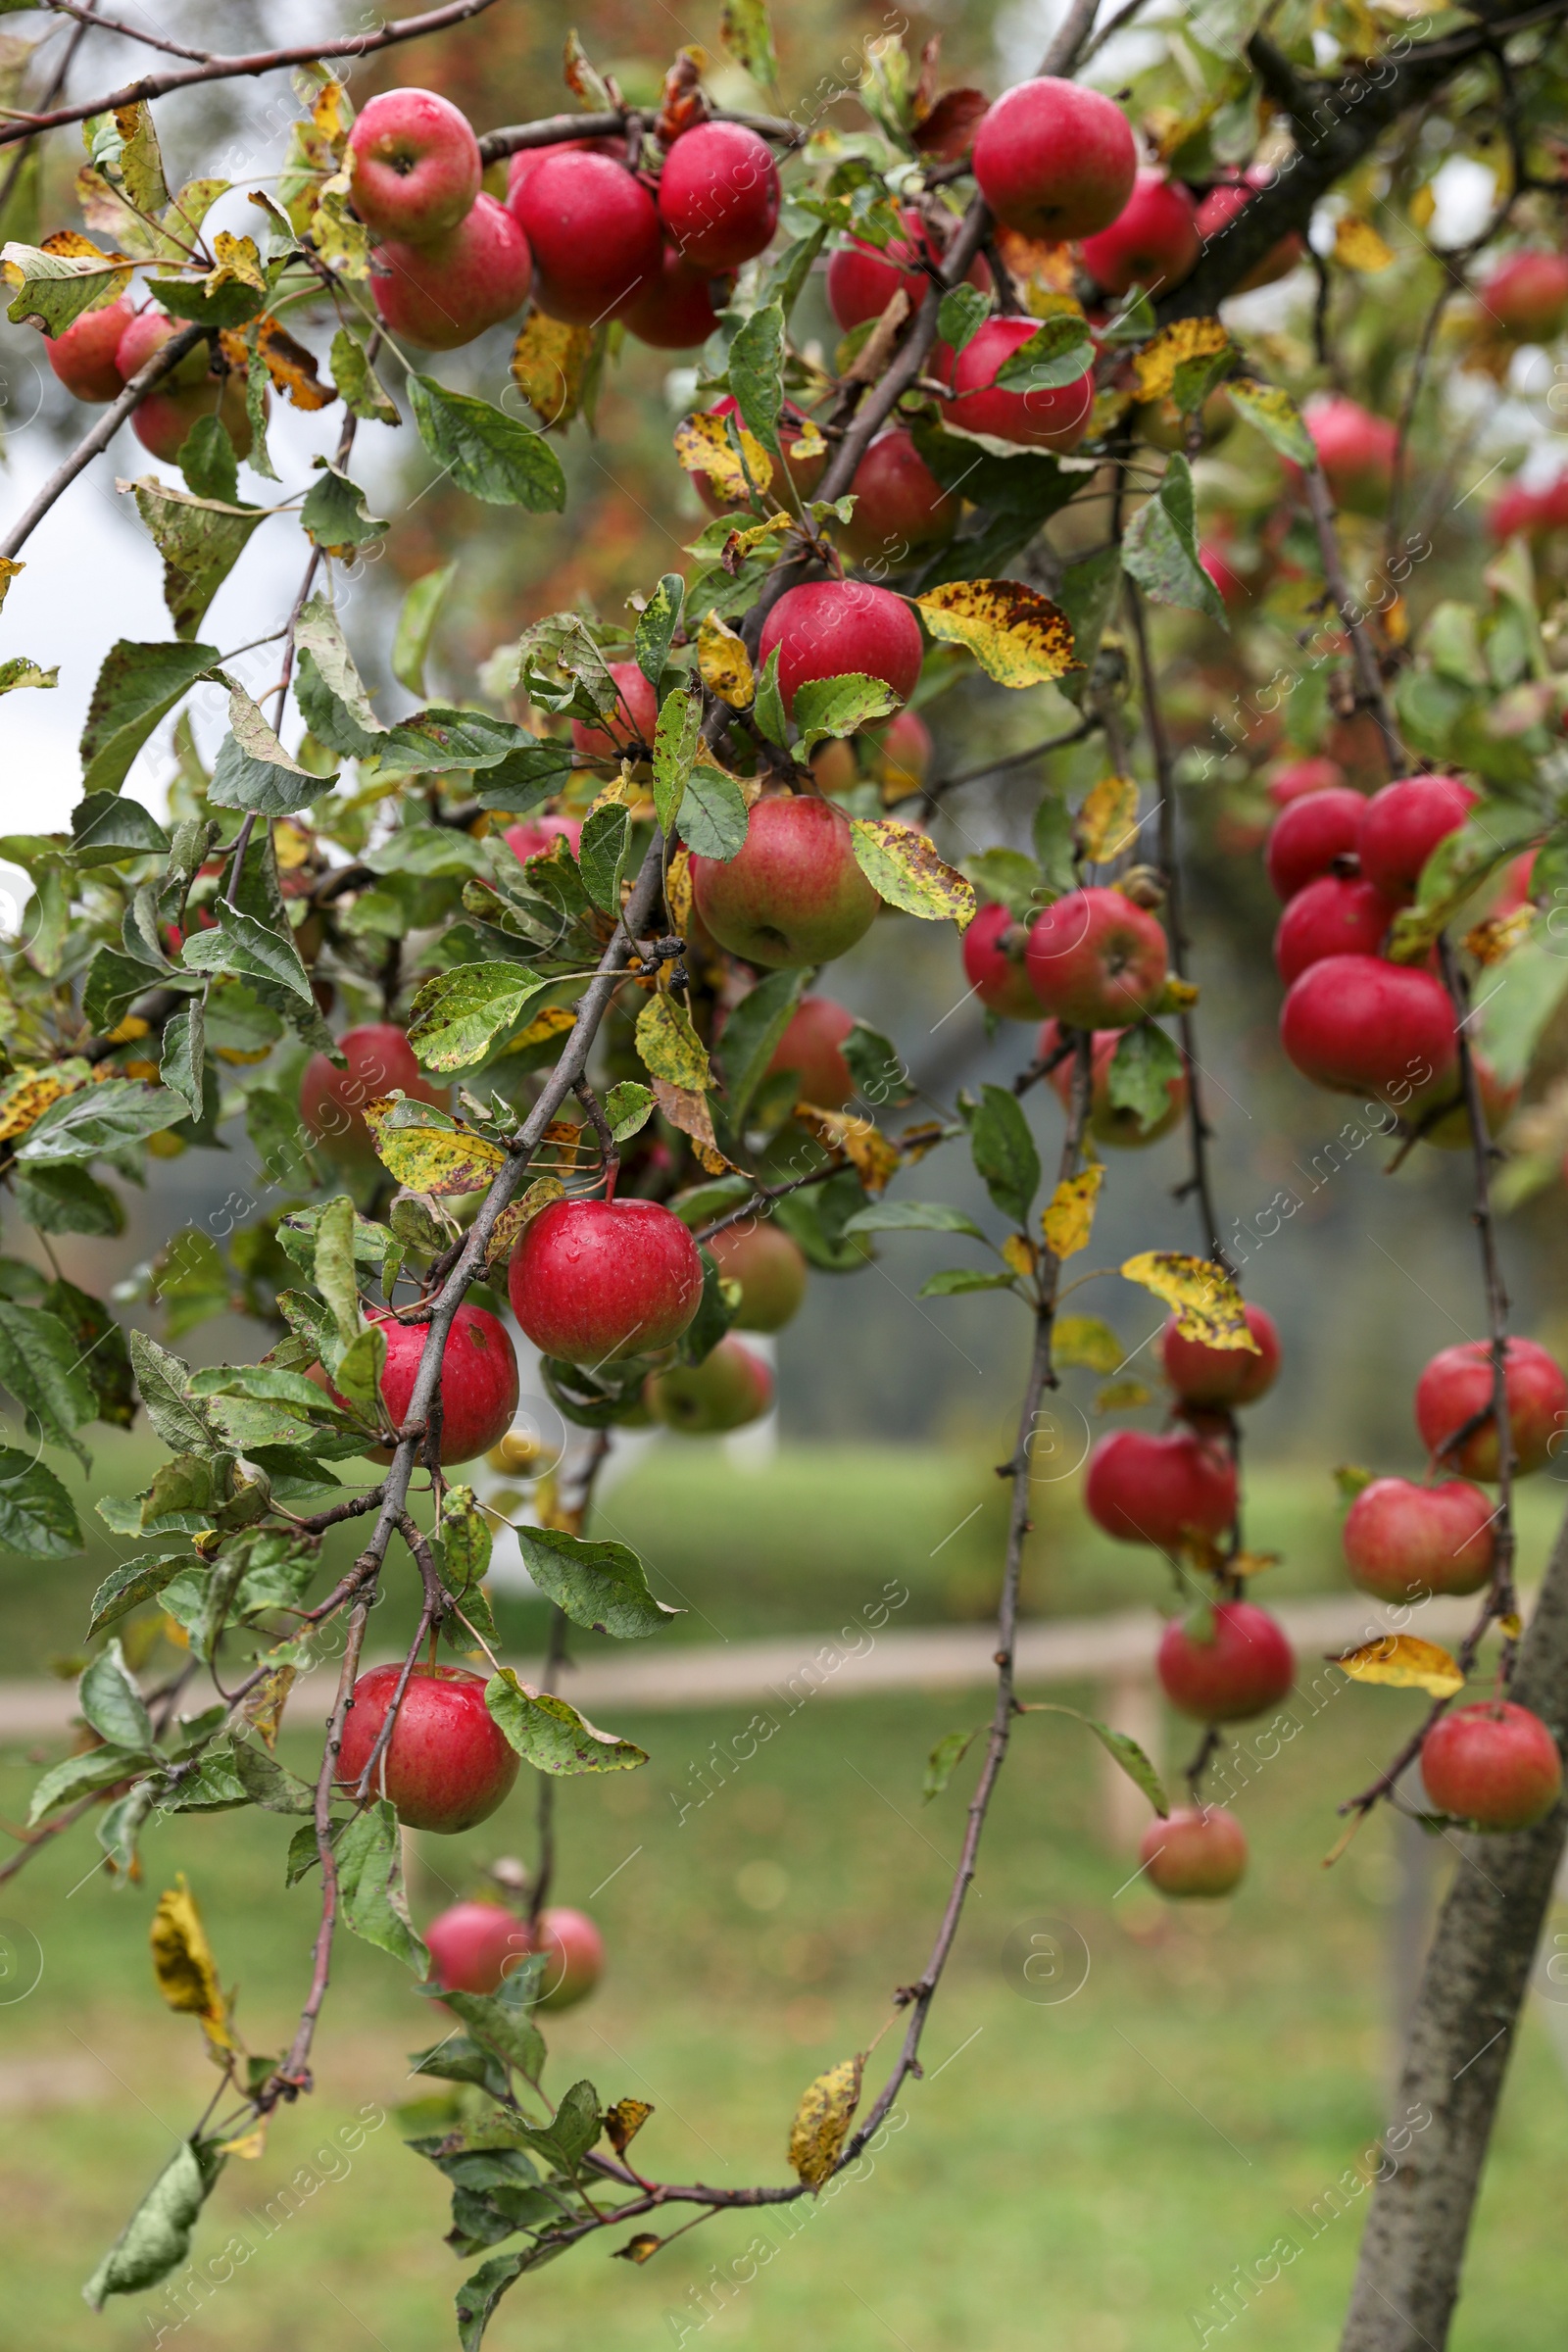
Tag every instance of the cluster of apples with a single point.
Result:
(98, 354)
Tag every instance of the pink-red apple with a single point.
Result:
(1035, 415)
(536, 835)
(1153, 242)
(719, 195)
(1095, 960)
(674, 311)
(728, 1389)
(1355, 1024)
(901, 754)
(574, 1957)
(1056, 160)
(594, 234)
(161, 421)
(1200, 1850)
(1403, 1542)
(811, 1047)
(1291, 779)
(1234, 1667)
(1457, 1385)
(862, 278)
(1310, 832)
(1335, 916)
(1355, 451)
(416, 166)
(473, 1945)
(477, 1389)
(447, 1765)
(83, 356)
(1110, 1122)
(1526, 297)
(795, 892)
(900, 505)
(1160, 1490)
(379, 1061)
(1403, 823)
(1225, 203)
(447, 292)
(636, 716)
(769, 1269)
(1223, 1377)
(993, 965)
(1494, 1764)
(593, 1281)
(827, 628)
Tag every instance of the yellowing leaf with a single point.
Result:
(1251, 1563)
(1123, 1396)
(264, 1706)
(1490, 942)
(807, 442)
(434, 1158)
(822, 2121)
(183, 1963)
(903, 868)
(723, 663)
(1019, 1255)
(1069, 1216)
(623, 2121)
(1018, 636)
(1084, 1340)
(291, 367)
(238, 263)
(1357, 245)
(1108, 818)
(554, 1021)
(868, 1152)
(703, 446)
(25, 1096)
(669, 1047)
(678, 892)
(685, 1108)
(247, 2145)
(1185, 339)
(1043, 272)
(1405, 1662)
(330, 111)
(549, 364)
(9, 568)
(507, 1227)
(1209, 1306)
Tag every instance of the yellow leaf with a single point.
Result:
(238, 263)
(1123, 1396)
(1069, 1216)
(1108, 818)
(27, 1096)
(554, 1021)
(264, 1706)
(669, 1047)
(507, 1227)
(1209, 1308)
(807, 442)
(1018, 636)
(1177, 995)
(641, 2247)
(1252, 1563)
(923, 1137)
(822, 2121)
(1405, 1662)
(183, 1963)
(624, 2121)
(678, 892)
(549, 362)
(247, 2144)
(723, 663)
(1185, 339)
(1019, 1255)
(903, 868)
(1422, 205)
(868, 1152)
(290, 846)
(1490, 942)
(703, 446)
(330, 111)
(432, 1158)
(685, 1108)
(1043, 272)
(291, 367)
(1358, 246)
(9, 568)
(1084, 1340)
(1511, 1626)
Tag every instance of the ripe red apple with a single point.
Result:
(998, 979)
(1293, 779)
(1517, 513)
(522, 166)
(1526, 297)
(1198, 1851)
(862, 278)
(1110, 1122)
(1143, 1489)
(1494, 1764)
(1036, 415)
(380, 1059)
(447, 292)
(1153, 242)
(574, 1957)
(719, 195)
(1095, 960)
(803, 472)
(83, 354)
(795, 892)
(1355, 451)
(1354, 1023)
(536, 834)
(769, 1269)
(1309, 833)
(1222, 205)
(674, 311)
(901, 507)
(1403, 1542)
(161, 421)
(811, 1047)
(474, 1945)
(1223, 1376)
(478, 1384)
(1457, 1383)
(1248, 1664)
(447, 1765)
(593, 230)
(416, 166)
(1403, 823)
(636, 718)
(729, 1388)
(1335, 916)
(901, 753)
(593, 1281)
(825, 629)
(1055, 161)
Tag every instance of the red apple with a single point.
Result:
(1056, 160)
(1494, 1764)
(862, 278)
(447, 1765)
(1457, 1383)
(1110, 1122)
(1335, 916)
(901, 751)
(1355, 451)
(380, 1059)
(1153, 242)
(1198, 1851)
(769, 1269)
(1246, 1665)
(1403, 1542)
(803, 472)
(998, 979)
(83, 354)
(636, 718)
(446, 293)
(574, 1957)
(161, 421)
(1223, 1377)
(811, 1047)
(1526, 297)
(728, 1389)
(416, 166)
(1291, 779)
(826, 628)
(1517, 513)
(474, 1945)
(1403, 823)
(1095, 960)
(1309, 833)
(593, 1281)
(478, 1384)
(538, 834)
(593, 230)
(719, 195)
(795, 892)
(1224, 203)
(674, 311)
(522, 166)
(1354, 1023)
(901, 508)
(1143, 1489)
(1037, 417)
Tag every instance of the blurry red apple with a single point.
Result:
(1354, 1023)
(998, 979)
(1095, 960)
(1403, 823)
(636, 718)
(862, 278)
(447, 292)
(1247, 1666)
(1403, 1542)
(1198, 1851)
(769, 1269)
(810, 1047)
(1223, 1377)
(1153, 242)
(1110, 1122)
(1526, 297)
(380, 1061)
(901, 508)
(719, 195)
(1457, 1383)
(1494, 1764)
(1335, 916)
(473, 1945)
(1035, 415)
(1355, 451)
(1143, 1489)
(574, 1957)
(594, 234)
(728, 1389)
(674, 312)
(1291, 779)
(83, 356)
(1309, 833)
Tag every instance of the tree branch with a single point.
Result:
(166, 359)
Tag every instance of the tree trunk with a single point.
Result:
(1461, 2035)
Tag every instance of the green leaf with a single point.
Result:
(199, 539)
(1057, 353)
(752, 1035)
(56, 288)
(100, 1350)
(768, 708)
(657, 624)
(675, 740)
(1275, 415)
(912, 1216)
(208, 462)
(114, 983)
(411, 644)
(1088, 1343)
(66, 1200)
(227, 306)
(1122, 1750)
(38, 1518)
(269, 1784)
(335, 1266)
(602, 853)
(477, 2297)
(833, 707)
(334, 515)
(747, 33)
(457, 1017)
(1524, 993)
(1006, 876)
(361, 392)
(1004, 1154)
(485, 452)
(785, 275)
(20, 671)
(600, 1586)
(627, 1107)
(964, 310)
(107, 828)
(163, 1381)
(111, 1702)
(254, 772)
(356, 1374)
(1146, 1064)
(445, 738)
(249, 949)
(953, 1280)
(110, 1117)
(370, 1885)
(184, 1056)
(1160, 548)
(552, 1735)
(1088, 596)
(757, 373)
(126, 1589)
(83, 1776)
(944, 1760)
(713, 816)
(156, 2240)
(137, 686)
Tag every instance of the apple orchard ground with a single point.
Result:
(1075, 2178)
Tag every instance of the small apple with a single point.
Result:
(1160, 1490)
(1495, 1765)
(1355, 451)
(769, 1269)
(414, 163)
(1223, 1377)
(901, 508)
(674, 311)
(794, 893)
(1035, 416)
(829, 628)
(1310, 832)
(445, 293)
(574, 1957)
(1526, 297)
(1153, 242)
(1235, 1667)
(1291, 779)
(994, 970)
(536, 835)
(1109, 1122)
(83, 354)
(1335, 916)
(728, 1389)
(719, 195)
(471, 1944)
(593, 1281)
(1095, 960)
(1403, 1542)
(447, 1765)
(1354, 1023)
(862, 278)
(1200, 1850)
(380, 1061)
(1403, 825)
(594, 234)
(810, 1047)
(636, 718)
(1457, 1385)
(1056, 160)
